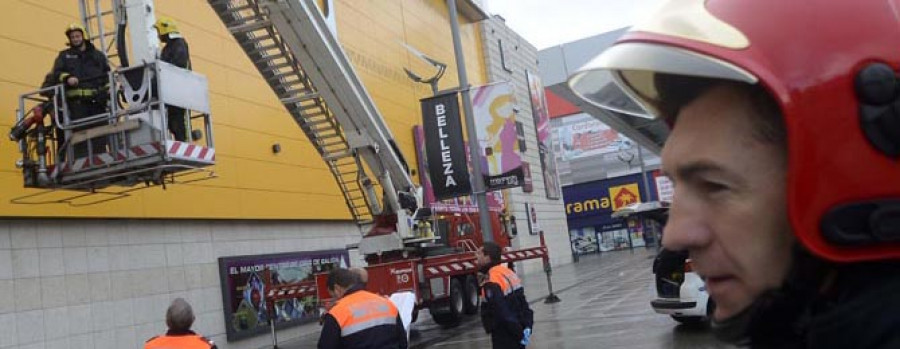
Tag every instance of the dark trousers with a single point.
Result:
(80, 109)
(504, 341)
(178, 123)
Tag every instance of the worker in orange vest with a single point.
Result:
(359, 318)
(179, 318)
(505, 313)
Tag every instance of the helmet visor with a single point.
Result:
(623, 78)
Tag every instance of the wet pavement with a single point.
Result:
(605, 304)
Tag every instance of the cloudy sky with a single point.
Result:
(547, 23)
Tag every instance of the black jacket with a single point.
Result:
(861, 309)
(505, 317)
(89, 66)
(176, 52)
(864, 312)
(379, 337)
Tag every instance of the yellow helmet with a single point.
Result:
(75, 26)
(165, 25)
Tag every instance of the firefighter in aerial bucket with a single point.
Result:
(84, 70)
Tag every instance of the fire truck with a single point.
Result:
(292, 46)
(407, 247)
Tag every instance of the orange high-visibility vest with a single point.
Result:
(362, 310)
(507, 279)
(188, 341)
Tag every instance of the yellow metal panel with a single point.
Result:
(263, 204)
(268, 120)
(259, 148)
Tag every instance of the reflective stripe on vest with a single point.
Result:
(180, 342)
(362, 310)
(81, 92)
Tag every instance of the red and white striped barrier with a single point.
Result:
(174, 149)
(192, 152)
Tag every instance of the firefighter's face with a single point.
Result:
(482, 258)
(337, 291)
(76, 38)
(729, 209)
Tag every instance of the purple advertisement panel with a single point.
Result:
(542, 127)
(495, 124)
(243, 289)
(422, 164)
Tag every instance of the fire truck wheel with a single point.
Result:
(471, 300)
(448, 312)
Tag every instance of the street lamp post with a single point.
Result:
(478, 190)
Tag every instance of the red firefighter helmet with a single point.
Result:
(832, 68)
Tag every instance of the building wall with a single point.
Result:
(107, 283)
(518, 57)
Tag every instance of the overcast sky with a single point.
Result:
(546, 23)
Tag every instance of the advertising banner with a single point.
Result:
(528, 185)
(422, 165)
(545, 142)
(592, 203)
(533, 226)
(664, 189)
(243, 289)
(462, 204)
(495, 124)
(444, 146)
(588, 138)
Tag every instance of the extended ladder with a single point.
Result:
(101, 24)
(296, 53)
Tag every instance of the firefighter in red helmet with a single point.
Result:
(784, 149)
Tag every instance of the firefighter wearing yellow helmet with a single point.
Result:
(175, 52)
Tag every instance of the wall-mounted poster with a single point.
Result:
(584, 240)
(494, 111)
(588, 138)
(243, 289)
(545, 142)
(534, 228)
(528, 185)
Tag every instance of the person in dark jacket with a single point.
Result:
(179, 319)
(84, 71)
(175, 52)
(505, 313)
(359, 318)
(783, 152)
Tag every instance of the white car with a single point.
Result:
(680, 292)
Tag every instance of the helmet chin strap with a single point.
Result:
(780, 315)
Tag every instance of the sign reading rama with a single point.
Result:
(444, 146)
